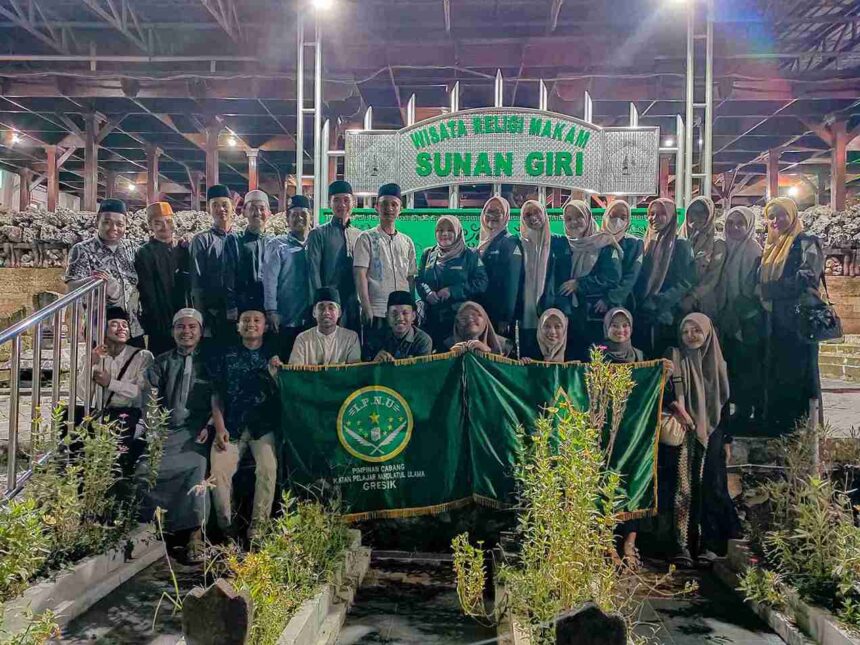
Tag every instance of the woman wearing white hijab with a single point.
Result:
(616, 220)
(584, 266)
(449, 274)
(535, 236)
(740, 315)
(502, 255)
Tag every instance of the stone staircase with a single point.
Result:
(841, 360)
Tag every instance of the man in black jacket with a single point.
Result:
(329, 252)
(163, 283)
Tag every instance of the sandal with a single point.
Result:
(707, 559)
(683, 560)
(631, 558)
(194, 552)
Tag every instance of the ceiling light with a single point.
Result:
(669, 142)
(132, 188)
(793, 191)
(16, 137)
(232, 142)
(322, 5)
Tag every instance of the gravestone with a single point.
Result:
(219, 615)
(589, 625)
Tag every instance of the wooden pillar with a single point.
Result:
(838, 160)
(196, 178)
(664, 176)
(53, 186)
(152, 155)
(110, 184)
(283, 199)
(821, 193)
(91, 163)
(212, 133)
(253, 176)
(772, 174)
(26, 176)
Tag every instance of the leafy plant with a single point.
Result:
(39, 630)
(569, 502)
(810, 537)
(71, 508)
(156, 422)
(297, 552)
(471, 575)
(763, 586)
(23, 545)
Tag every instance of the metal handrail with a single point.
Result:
(89, 299)
(61, 303)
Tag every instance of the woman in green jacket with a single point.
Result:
(449, 274)
(668, 273)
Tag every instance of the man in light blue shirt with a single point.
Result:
(286, 288)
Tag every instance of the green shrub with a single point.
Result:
(298, 552)
(39, 630)
(74, 506)
(811, 538)
(763, 587)
(569, 501)
(23, 546)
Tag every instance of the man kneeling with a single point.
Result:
(401, 339)
(176, 380)
(246, 415)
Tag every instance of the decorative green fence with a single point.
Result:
(420, 223)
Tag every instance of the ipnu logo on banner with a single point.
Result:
(505, 145)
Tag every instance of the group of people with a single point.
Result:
(219, 315)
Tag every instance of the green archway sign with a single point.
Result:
(505, 145)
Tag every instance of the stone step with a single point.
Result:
(841, 372)
(839, 348)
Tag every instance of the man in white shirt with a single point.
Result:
(119, 374)
(383, 260)
(326, 344)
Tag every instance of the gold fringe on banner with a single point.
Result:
(393, 513)
(346, 366)
(637, 515)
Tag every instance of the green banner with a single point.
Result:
(425, 435)
(505, 394)
(390, 437)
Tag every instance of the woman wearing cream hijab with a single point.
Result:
(709, 252)
(584, 265)
(535, 236)
(666, 277)
(792, 267)
(616, 220)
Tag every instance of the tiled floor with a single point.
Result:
(712, 615)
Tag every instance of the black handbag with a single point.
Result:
(819, 322)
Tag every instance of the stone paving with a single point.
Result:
(405, 603)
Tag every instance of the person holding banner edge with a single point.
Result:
(402, 339)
